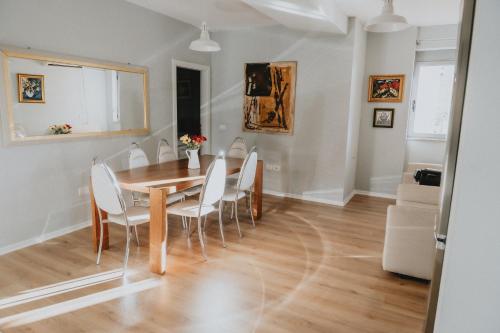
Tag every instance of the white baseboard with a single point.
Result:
(308, 198)
(42, 238)
(349, 197)
(376, 194)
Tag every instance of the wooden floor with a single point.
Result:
(305, 268)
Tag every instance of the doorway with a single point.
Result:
(191, 103)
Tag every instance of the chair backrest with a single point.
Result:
(215, 182)
(137, 158)
(248, 169)
(107, 193)
(238, 148)
(165, 152)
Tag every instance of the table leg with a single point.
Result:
(257, 190)
(158, 231)
(96, 225)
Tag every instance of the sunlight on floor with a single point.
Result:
(57, 309)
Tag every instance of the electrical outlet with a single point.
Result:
(83, 191)
(276, 168)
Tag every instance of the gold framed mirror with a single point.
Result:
(51, 97)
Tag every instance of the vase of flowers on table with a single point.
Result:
(60, 129)
(193, 144)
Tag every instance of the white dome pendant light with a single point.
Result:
(387, 21)
(204, 44)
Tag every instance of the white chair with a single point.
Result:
(108, 197)
(243, 185)
(238, 149)
(165, 152)
(137, 158)
(211, 193)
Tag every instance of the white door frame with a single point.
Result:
(205, 108)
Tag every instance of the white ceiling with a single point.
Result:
(235, 14)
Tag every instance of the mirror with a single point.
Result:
(55, 98)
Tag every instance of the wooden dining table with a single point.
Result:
(160, 181)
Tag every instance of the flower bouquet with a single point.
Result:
(193, 144)
(60, 129)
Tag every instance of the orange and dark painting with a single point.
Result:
(386, 88)
(269, 101)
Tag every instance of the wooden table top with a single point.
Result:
(172, 176)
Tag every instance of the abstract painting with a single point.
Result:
(31, 88)
(386, 88)
(269, 98)
(383, 118)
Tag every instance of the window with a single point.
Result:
(431, 104)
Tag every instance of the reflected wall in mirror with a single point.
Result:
(73, 98)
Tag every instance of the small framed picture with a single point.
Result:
(386, 88)
(383, 118)
(31, 88)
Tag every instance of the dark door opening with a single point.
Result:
(188, 102)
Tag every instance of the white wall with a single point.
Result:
(46, 177)
(356, 102)
(425, 151)
(381, 153)
(437, 37)
(313, 160)
(469, 299)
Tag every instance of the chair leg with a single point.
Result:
(235, 204)
(232, 210)
(127, 250)
(136, 235)
(100, 239)
(247, 202)
(221, 225)
(251, 208)
(188, 228)
(202, 242)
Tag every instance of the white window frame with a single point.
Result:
(411, 118)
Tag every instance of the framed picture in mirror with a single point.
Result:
(31, 88)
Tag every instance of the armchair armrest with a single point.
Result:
(408, 178)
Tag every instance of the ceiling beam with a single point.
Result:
(323, 15)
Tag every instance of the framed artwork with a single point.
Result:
(269, 97)
(386, 88)
(31, 88)
(383, 118)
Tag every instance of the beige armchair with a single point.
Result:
(409, 235)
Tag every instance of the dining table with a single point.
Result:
(159, 181)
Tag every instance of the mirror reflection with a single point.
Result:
(51, 98)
